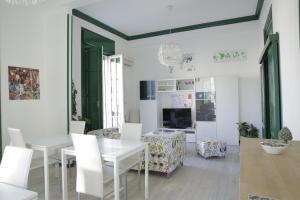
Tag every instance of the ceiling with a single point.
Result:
(134, 17)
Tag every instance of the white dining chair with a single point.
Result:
(91, 174)
(131, 131)
(15, 166)
(77, 127)
(16, 137)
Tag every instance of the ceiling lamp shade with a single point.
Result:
(169, 54)
(24, 2)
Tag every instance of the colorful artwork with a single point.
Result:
(230, 56)
(24, 83)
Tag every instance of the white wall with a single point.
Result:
(55, 58)
(22, 42)
(35, 39)
(250, 101)
(203, 43)
(227, 112)
(286, 22)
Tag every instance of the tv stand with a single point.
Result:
(190, 132)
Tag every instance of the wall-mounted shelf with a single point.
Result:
(176, 85)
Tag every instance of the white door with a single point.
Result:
(113, 91)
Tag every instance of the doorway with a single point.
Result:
(93, 48)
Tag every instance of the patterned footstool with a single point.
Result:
(211, 147)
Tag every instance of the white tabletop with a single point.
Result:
(50, 141)
(112, 148)
(8, 192)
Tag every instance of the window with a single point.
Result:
(113, 101)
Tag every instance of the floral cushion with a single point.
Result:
(166, 151)
(110, 133)
(210, 148)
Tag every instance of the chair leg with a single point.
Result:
(69, 166)
(60, 180)
(139, 174)
(125, 187)
(56, 170)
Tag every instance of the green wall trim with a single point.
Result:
(88, 18)
(259, 7)
(253, 17)
(195, 27)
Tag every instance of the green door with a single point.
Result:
(91, 82)
(271, 88)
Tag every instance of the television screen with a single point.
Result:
(180, 118)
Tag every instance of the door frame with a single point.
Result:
(273, 43)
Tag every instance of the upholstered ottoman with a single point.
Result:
(211, 147)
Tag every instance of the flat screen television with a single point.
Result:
(179, 118)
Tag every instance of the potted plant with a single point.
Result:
(74, 108)
(285, 134)
(247, 130)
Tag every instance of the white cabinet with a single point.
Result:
(206, 130)
(148, 115)
(227, 111)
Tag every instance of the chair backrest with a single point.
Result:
(89, 165)
(77, 127)
(16, 138)
(15, 166)
(131, 131)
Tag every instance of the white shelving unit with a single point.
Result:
(176, 85)
(190, 132)
(168, 85)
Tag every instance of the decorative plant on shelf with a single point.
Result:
(247, 130)
(285, 134)
(74, 106)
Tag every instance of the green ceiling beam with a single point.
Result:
(256, 16)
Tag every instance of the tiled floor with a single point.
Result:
(198, 179)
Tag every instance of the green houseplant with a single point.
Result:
(247, 130)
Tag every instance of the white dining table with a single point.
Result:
(9, 192)
(46, 144)
(114, 151)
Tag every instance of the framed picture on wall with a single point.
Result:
(23, 83)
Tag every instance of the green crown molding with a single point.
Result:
(259, 7)
(195, 27)
(253, 17)
(88, 18)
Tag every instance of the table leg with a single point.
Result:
(46, 174)
(147, 172)
(64, 175)
(116, 180)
